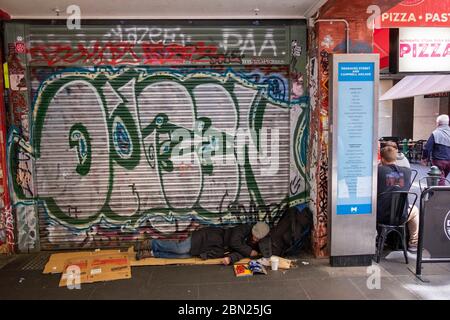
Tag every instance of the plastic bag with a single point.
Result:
(257, 267)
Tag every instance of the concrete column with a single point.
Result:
(425, 112)
(385, 111)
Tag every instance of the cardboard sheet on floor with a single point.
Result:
(164, 262)
(57, 261)
(285, 263)
(95, 268)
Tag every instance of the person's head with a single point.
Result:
(442, 120)
(389, 144)
(388, 155)
(259, 231)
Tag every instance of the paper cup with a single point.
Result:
(274, 263)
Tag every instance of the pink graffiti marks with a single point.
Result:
(112, 53)
(18, 90)
(124, 53)
(177, 54)
(8, 223)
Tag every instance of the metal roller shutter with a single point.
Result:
(110, 165)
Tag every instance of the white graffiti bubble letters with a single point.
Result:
(56, 169)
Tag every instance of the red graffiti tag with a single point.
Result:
(120, 53)
(177, 54)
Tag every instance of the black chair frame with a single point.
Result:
(427, 179)
(414, 174)
(398, 203)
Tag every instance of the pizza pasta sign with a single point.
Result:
(424, 49)
(417, 13)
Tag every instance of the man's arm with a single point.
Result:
(232, 258)
(238, 240)
(428, 148)
(213, 253)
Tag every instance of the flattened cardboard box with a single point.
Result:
(163, 262)
(96, 268)
(57, 261)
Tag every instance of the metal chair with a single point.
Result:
(398, 203)
(414, 174)
(417, 150)
(431, 181)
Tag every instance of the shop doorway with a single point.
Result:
(403, 118)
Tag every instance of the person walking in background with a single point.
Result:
(437, 147)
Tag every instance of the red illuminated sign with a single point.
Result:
(416, 13)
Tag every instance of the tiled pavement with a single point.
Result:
(422, 172)
(312, 279)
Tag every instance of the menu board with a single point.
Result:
(355, 135)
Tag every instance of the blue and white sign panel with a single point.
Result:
(355, 135)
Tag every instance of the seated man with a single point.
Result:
(231, 244)
(401, 160)
(394, 178)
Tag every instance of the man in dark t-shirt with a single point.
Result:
(394, 178)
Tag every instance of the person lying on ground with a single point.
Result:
(231, 244)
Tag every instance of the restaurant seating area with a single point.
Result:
(411, 149)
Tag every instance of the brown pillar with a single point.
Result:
(327, 37)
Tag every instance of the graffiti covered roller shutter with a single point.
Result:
(126, 147)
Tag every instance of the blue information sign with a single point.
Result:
(355, 135)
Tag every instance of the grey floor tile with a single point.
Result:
(135, 288)
(346, 272)
(172, 292)
(331, 289)
(438, 287)
(299, 272)
(324, 270)
(311, 279)
(54, 293)
(119, 290)
(4, 259)
(16, 263)
(186, 275)
(270, 290)
(23, 280)
(394, 264)
(390, 289)
(446, 266)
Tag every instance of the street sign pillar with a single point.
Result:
(353, 158)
